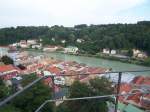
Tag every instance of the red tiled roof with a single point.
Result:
(54, 70)
(147, 81)
(96, 70)
(138, 80)
(4, 68)
(125, 87)
(135, 98)
(3, 46)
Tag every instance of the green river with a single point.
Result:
(96, 62)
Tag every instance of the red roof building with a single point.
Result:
(54, 70)
(138, 85)
(8, 71)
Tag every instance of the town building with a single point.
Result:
(113, 52)
(106, 51)
(8, 71)
(63, 41)
(23, 44)
(36, 46)
(79, 40)
(71, 49)
(31, 42)
(3, 51)
(138, 85)
(139, 54)
(50, 48)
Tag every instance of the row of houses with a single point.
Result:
(68, 49)
(59, 68)
(79, 40)
(33, 43)
(135, 53)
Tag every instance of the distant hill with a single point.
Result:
(95, 37)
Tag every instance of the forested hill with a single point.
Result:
(96, 37)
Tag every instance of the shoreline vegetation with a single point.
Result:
(100, 55)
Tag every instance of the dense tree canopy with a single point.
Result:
(96, 37)
(4, 91)
(29, 100)
(7, 60)
(94, 88)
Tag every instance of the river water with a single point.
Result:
(96, 62)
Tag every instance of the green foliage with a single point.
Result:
(147, 62)
(30, 100)
(28, 79)
(94, 88)
(7, 60)
(9, 108)
(4, 91)
(113, 36)
(130, 53)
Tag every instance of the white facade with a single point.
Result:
(113, 52)
(63, 41)
(3, 51)
(53, 39)
(51, 49)
(80, 40)
(106, 51)
(24, 45)
(139, 54)
(30, 42)
(15, 44)
(136, 52)
(71, 49)
(38, 46)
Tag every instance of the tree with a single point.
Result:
(4, 91)
(9, 108)
(95, 87)
(147, 61)
(7, 60)
(113, 36)
(130, 53)
(31, 99)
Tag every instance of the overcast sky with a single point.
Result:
(72, 12)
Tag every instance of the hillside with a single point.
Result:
(94, 37)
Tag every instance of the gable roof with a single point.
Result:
(5, 68)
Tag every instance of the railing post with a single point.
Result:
(53, 92)
(118, 90)
(53, 87)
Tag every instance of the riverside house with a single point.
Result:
(71, 49)
(139, 54)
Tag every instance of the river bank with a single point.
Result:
(107, 57)
(123, 60)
